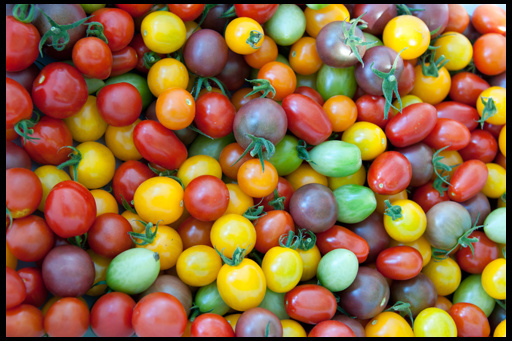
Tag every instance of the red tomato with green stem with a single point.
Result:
(400, 263)
(111, 315)
(15, 292)
(462, 113)
(214, 115)
(310, 304)
(270, 228)
(68, 317)
(135, 10)
(23, 192)
(284, 190)
(448, 133)
(124, 61)
(259, 12)
(390, 173)
(24, 321)
(108, 236)
(331, 329)
(338, 237)
(206, 198)
(427, 196)
(470, 320)
(141, 49)
(371, 109)
(18, 104)
(466, 87)
(21, 44)
(485, 251)
(119, 104)
(36, 292)
(128, 178)
(468, 180)
(211, 325)
(482, 146)
(118, 26)
(29, 239)
(414, 124)
(92, 57)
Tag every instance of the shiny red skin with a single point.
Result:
(389, 174)
(68, 317)
(490, 18)
(215, 115)
(400, 263)
(259, 12)
(119, 104)
(284, 189)
(270, 228)
(128, 178)
(414, 124)
(25, 77)
(206, 198)
(466, 87)
(135, 10)
(450, 133)
(311, 93)
(53, 134)
(36, 292)
(338, 237)
(371, 109)
(211, 325)
(28, 317)
(469, 180)
(310, 303)
(485, 249)
(462, 113)
(21, 44)
(306, 119)
(92, 57)
(159, 145)
(124, 61)
(18, 104)
(60, 90)
(427, 196)
(70, 209)
(29, 238)
(489, 54)
(140, 48)
(195, 232)
(482, 146)
(187, 12)
(111, 315)
(470, 320)
(331, 329)
(108, 236)
(406, 81)
(495, 130)
(118, 26)
(15, 291)
(16, 157)
(23, 192)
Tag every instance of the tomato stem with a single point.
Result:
(150, 58)
(267, 329)
(167, 174)
(74, 160)
(147, 237)
(24, 129)
(238, 256)
(80, 241)
(402, 9)
(193, 128)
(302, 151)
(341, 310)
(256, 256)
(8, 213)
(308, 243)
(432, 69)
(127, 206)
(352, 41)
(438, 165)
(403, 309)
(255, 212)
(254, 39)
(256, 148)
(19, 12)
(230, 13)
(261, 85)
(490, 109)
(395, 212)
(293, 241)
(199, 82)
(278, 202)
(96, 29)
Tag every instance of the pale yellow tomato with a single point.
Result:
(198, 165)
(445, 274)
(87, 124)
(456, 48)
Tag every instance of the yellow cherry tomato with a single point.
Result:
(100, 269)
(503, 141)
(496, 184)
(233, 319)
(293, 328)
(233, 231)
(199, 165)
(317, 19)
(456, 48)
(239, 202)
(304, 175)
(434, 322)
(388, 324)
(410, 226)
(87, 124)
(163, 32)
(49, 176)
(96, 167)
(501, 329)
(422, 245)
(431, 90)
(494, 279)
(452, 159)
(358, 178)
(158, 199)
(120, 141)
(406, 101)
(10, 260)
(310, 260)
(303, 57)
(244, 35)
(445, 274)
(54, 299)
(165, 74)
(499, 96)
(198, 266)
(381, 206)
(407, 32)
(105, 202)
(256, 181)
(190, 26)
(282, 268)
(135, 221)
(242, 286)
(368, 137)
(167, 243)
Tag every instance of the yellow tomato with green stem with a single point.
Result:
(494, 279)
(388, 324)
(231, 232)
(492, 105)
(163, 32)
(165, 74)
(105, 202)
(120, 141)
(404, 220)
(49, 176)
(407, 32)
(197, 166)
(431, 90)
(434, 322)
(198, 265)
(244, 35)
(304, 175)
(100, 269)
(87, 124)
(358, 178)
(239, 202)
(368, 137)
(456, 48)
(136, 222)
(496, 184)
(381, 199)
(445, 274)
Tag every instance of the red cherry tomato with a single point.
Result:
(108, 236)
(21, 44)
(470, 320)
(187, 12)
(462, 113)
(468, 180)
(195, 232)
(111, 315)
(16, 157)
(29, 239)
(490, 18)
(485, 252)
(140, 48)
(35, 289)
(371, 109)
(128, 178)
(495, 130)
(311, 93)
(427, 196)
(331, 329)
(118, 26)
(449, 133)
(15, 291)
(270, 228)
(310, 304)
(23, 192)
(338, 237)
(412, 126)
(490, 54)
(284, 189)
(466, 87)
(259, 12)
(407, 79)
(18, 104)
(211, 325)
(24, 321)
(400, 263)
(124, 61)
(92, 57)
(214, 115)
(119, 104)
(68, 317)
(206, 198)
(135, 10)
(390, 174)
(482, 146)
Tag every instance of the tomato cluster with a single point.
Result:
(255, 170)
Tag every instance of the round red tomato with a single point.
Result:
(427, 196)
(29, 239)
(211, 325)
(18, 104)
(466, 87)
(108, 236)
(284, 189)
(128, 178)
(119, 104)
(482, 146)
(270, 228)
(331, 329)
(371, 109)
(259, 12)
(21, 44)
(390, 173)
(470, 320)
(68, 317)
(468, 180)
(490, 54)
(135, 10)
(15, 291)
(34, 285)
(24, 321)
(448, 133)
(117, 24)
(141, 49)
(92, 57)
(414, 124)
(485, 252)
(490, 18)
(310, 303)
(187, 12)
(400, 263)
(111, 315)
(23, 192)
(214, 115)
(206, 198)
(123, 61)
(338, 237)
(462, 113)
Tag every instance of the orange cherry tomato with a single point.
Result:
(265, 54)
(317, 19)
(303, 58)
(256, 182)
(342, 112)
(175, 108)
(281, 77)
(228, 157)
(304, 175)
(238, 99)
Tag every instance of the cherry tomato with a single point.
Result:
(338, 237)
(21, 45)
(128, 178)
(244, 35)
(111, 315)
(371, 109)
(119, 104)
(503, 141)
(485, 250)
(388, 324)
(195, 232)
(414, 124)
(259, 12)
(445, 274)
(292, 328)
(140, 48)
(358, 178)
(214, 115)
(469, 179)
(118, 26)
(466, 87)
(108, 236)
(270, 228)
(101, 265)
(124, 61)
(304, 175)
(427, 196)
(232, 231)
(36, 291)
(482, 146)
(163, 32)
(310, 304)
(18, 104)
(490, 54)
(197, 166)
(135, 10)
(187, 12)
(331, 329)
(15, 292)
(456, 48)
(120, 141)
(462, 113)
(411, 226)
(490, 18)
(198, 265)
(304, 58)
(432, 90)
(211, 325)
(239, 202)
(443, 303)
(458, 18)
(342, 112)
(400, 263)
(471, 321)
(281, 77)
(167, 73)
(317, 19)
(409, 32)
(23, 192)
(265, 54)
(93, 58)
(311, 93)
(87, 124)
(96, 166)
(227, 159)
(255, 181)
(166, 242)
(501, 330)
(284, 189)
(67, 317)
(434, 322)
(29, 239)
(24, 321)
(421, 245)
(206, 198)
(499, 96)
(175, 108)
(449, 133)
(368, 137)
(494, 279)
(390, 173)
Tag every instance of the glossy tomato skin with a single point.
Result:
(254, 323)
(127, 179)
(458, 18)
(195, 232)
(406, 81)
(18, 104)
(211, 325)
(400, 263)
(414, 124)
(23, 192)
(376, 15)
(331, 329)
(187, 12)
(24, 321)
(270, 228)
(22, 42)
(469, 179)
(36, 291)
(235, 72)
(29, 239)
(371, 109)
(68, 317)
(16, 157)
(490, 54)
(490, 18)
(206, 198)
(281, 77)
(119, 104)
(124, 61)
(338, 237)
(118, 26)
(214, 115)
(470, 320)
(419, 292)
(462, 113)
(93, 58)
(111, 315)
(284, 189)
(478, 206)
(482, 146)
(485, 249)
(203, 42)
(420, 156)
(259, 12)
(466, 87)
(108, 236)
(311, 93)
(140, 48)
(15, 291)
(427, 196)
(310, 304)
(373, 232)
(159, 145)
(26, 76)
(390, 173)
(135, 10)
(449, 133)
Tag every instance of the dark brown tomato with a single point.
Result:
(420, 292)
(376, 15)
(468, 180)
(108, 236)
(414, 124)
(256, 321)
(449, 133)
(390, 174)
(427, 196)
(205, 53)
(499, 80)
(16, 157)
(171, 285)
(466, 87)
(235, 72)
(195, 232)
(213, 21)
(482, 146)
(462, 113)
(353, 324)
(25, 77)
(128, 178)
(420, 156)
(478, 205)
(371, 109)
(373, 232)
(446, 222)
(406, 81)
(434, 15)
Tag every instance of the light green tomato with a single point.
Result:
(133, 271)
(472, 291)
(316, 7)
(370, 37)
(355, 203)
(309, 80)
(337, 270)
(208, 300)
(93, 85)
(287, 25)
(336, 159)
(203, 145)
(89, 8)
(495, 226)
(332, 82)
(274, 302)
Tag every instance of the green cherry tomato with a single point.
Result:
(495, 226)
(208, 300)
(472, 291)
(371, 38)
(314, 7)
(89, 8)
(355, 203)
(336, 159)
(203, 145)
(286, 159)
(332, 82)
(274, 302)
(329, 273)
(287, 25)
(139, 82)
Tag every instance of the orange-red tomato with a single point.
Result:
(281, 77)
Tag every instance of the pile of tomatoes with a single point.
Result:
(255, 170)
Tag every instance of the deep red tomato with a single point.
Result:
(138, 44)
(53, 134)
(482, 146)
(307, 119)
(23, 192)
(195, 232)
(270, 228)
(462, 113)
(338, 237)
(18, 104)
(21, 44)
(34, 285)
(29, 238)
(495, 130)
(390, 174)
(159, 315)
(15, 291)
(68, 317)
(211, 325)
(412, 126)
(310, 304)
(407, 79)
(25, 77)
(111, 315)
(427, 196)
(311, 93)
(187, 12)
(485, 252)
(450, 133)
(16, 157)
(128, 178)
(159, 145)
(490, 18)
(124, 61)
(214, 115)
(371, 109)
(490, 54)
(206, 198)
(470, 320)
(60, 90)
(400, 263)
(92, 57)
(468, 180)
(119, 104)
(135, 10)
(24, 321)
(108, 236)
(331, 329)
(117, 24)
(259, 12)
(466, 87)
(284, 189)
(70, 209)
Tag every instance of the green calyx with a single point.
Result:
(147, 237)
(254, 39)
(255, 212)
(278, 202)
(193, 128)
(24, 129)
(261, 85)
(167, 174)
(256, 149)
(24, 13)
(395, 212)
(307, 239)
(302, 151)
(403, 309)
(80, 241)
(402, 9)
(351, 40)
(238, 256)
(230, 13)
(504, 197)
(206, 9)
(204, 82)
(150, 58)
(290, 240)
(440, 169)
(490, 109)
(432, 69)
(8, 214)
(127, 206)
(74, 159)
(96, 29)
